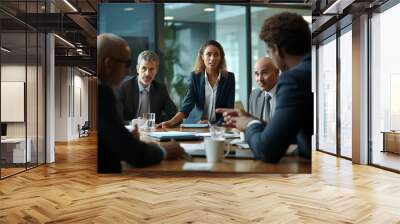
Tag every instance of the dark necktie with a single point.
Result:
(267, 108)
(144, 106)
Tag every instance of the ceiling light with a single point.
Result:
(43, 7)
(5, 50)
(209, 9)
(65, 41)
(70, 5)
(84, 71)
(168, 18)
(129, 9)
(337, 7)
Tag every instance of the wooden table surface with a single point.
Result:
(288, 164)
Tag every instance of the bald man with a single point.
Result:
(262, 100)
(115, 142)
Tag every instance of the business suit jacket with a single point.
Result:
(194, 100)
(115, 142)
(256, 103)
(160, 102)
(293, 117)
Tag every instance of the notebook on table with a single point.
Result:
(176, 135)
(194, 125)
(198, 150)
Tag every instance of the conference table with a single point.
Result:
(288, 164)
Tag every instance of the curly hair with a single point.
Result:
(288, 31)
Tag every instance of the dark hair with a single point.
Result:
(199, 65)
(288, 31)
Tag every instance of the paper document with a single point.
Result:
(226, 134)
(193, 149)
(170, 133)
(240, 143)
(194, 125)
(197, 166)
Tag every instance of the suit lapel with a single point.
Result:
(135, 95)
(202, 90)
(153, 98)
(220, 89)
(260, 104)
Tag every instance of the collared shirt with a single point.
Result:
(210, 98)
(144, 98)
(272, 101)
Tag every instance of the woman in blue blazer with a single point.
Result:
(211, 86)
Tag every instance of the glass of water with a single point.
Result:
(149, 120)
(217, 131)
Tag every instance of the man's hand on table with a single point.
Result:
(173, 150)
(235, 118)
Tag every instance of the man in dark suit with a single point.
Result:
(263, 99)
(115, 143)
(288, 42)
(142, 94)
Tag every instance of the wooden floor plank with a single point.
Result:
(70, 191)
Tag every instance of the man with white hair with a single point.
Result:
(115, 142)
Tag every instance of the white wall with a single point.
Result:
(17, 73)
(33, 126)
(71, 102)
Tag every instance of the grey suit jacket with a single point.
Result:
(160, 102)
(256, 103)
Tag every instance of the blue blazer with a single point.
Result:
(292, 120)
(193, 103)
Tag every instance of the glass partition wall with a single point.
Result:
(345, 64)
(22, 100)
(327, 92)
(334, 114)
(334, 98)
(177, 30)
(385, 89)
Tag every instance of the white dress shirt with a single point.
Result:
(210, 98)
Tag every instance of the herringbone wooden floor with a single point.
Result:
(70, 191)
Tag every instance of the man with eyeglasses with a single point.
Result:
(142, 94)
(115, 143)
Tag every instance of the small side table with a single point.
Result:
(391, 141)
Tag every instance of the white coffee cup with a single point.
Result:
(215, 148)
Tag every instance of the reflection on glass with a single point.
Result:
(385, 84)
(225, 24)
(31, 101)
(327, 96)
(14, 151)
(346, 94)
(258, 15)
(117, 19)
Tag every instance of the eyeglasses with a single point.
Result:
(127, 63)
